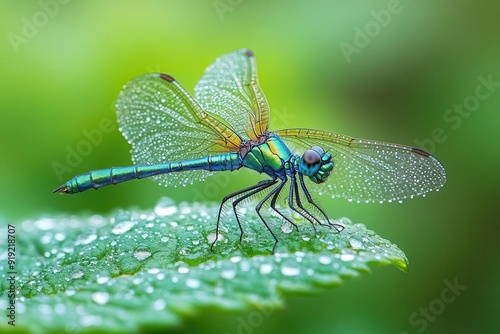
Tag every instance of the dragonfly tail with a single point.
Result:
(62, 189)
(104, 177)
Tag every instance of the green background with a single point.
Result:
(60, 81)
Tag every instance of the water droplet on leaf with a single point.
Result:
(290, 271)
(100, 298)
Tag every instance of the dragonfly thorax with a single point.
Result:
(268, 154)
(316, 163)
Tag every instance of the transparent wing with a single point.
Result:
(163, 123)
(370, 171)
(229, 89)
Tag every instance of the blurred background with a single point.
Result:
(419, 73)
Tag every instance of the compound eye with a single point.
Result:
(318, 149)
(311, 157)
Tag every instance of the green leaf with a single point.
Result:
(140, 270)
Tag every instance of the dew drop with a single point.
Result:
(355, 243)
(100, 298)
(193, 283)
(88, 239)
(347, 257)
(211, 237)
(77, 274)
(228, 274)
(323, 259)
(235, 259)
(45, 239)
(183, 270)
(290, 271)
(165, 207)
(45, 224)
(142, 253)
(286, 227)
(185, 210)
(154, 271)
(102, 279)
(265, 268)
(159, 304)
(59, 236)
(122, 227)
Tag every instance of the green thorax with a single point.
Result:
(267, 155)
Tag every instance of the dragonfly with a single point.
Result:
(178, 138)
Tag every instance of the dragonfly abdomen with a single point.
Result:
(114, 175)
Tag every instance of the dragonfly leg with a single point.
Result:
(253, 189)
(261, 203)
(338, 227)
(273, 205)
(294, 193)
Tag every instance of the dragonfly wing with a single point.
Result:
(163, 123)
(370, 171)
(229, 89)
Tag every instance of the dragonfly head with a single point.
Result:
(316, 163)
